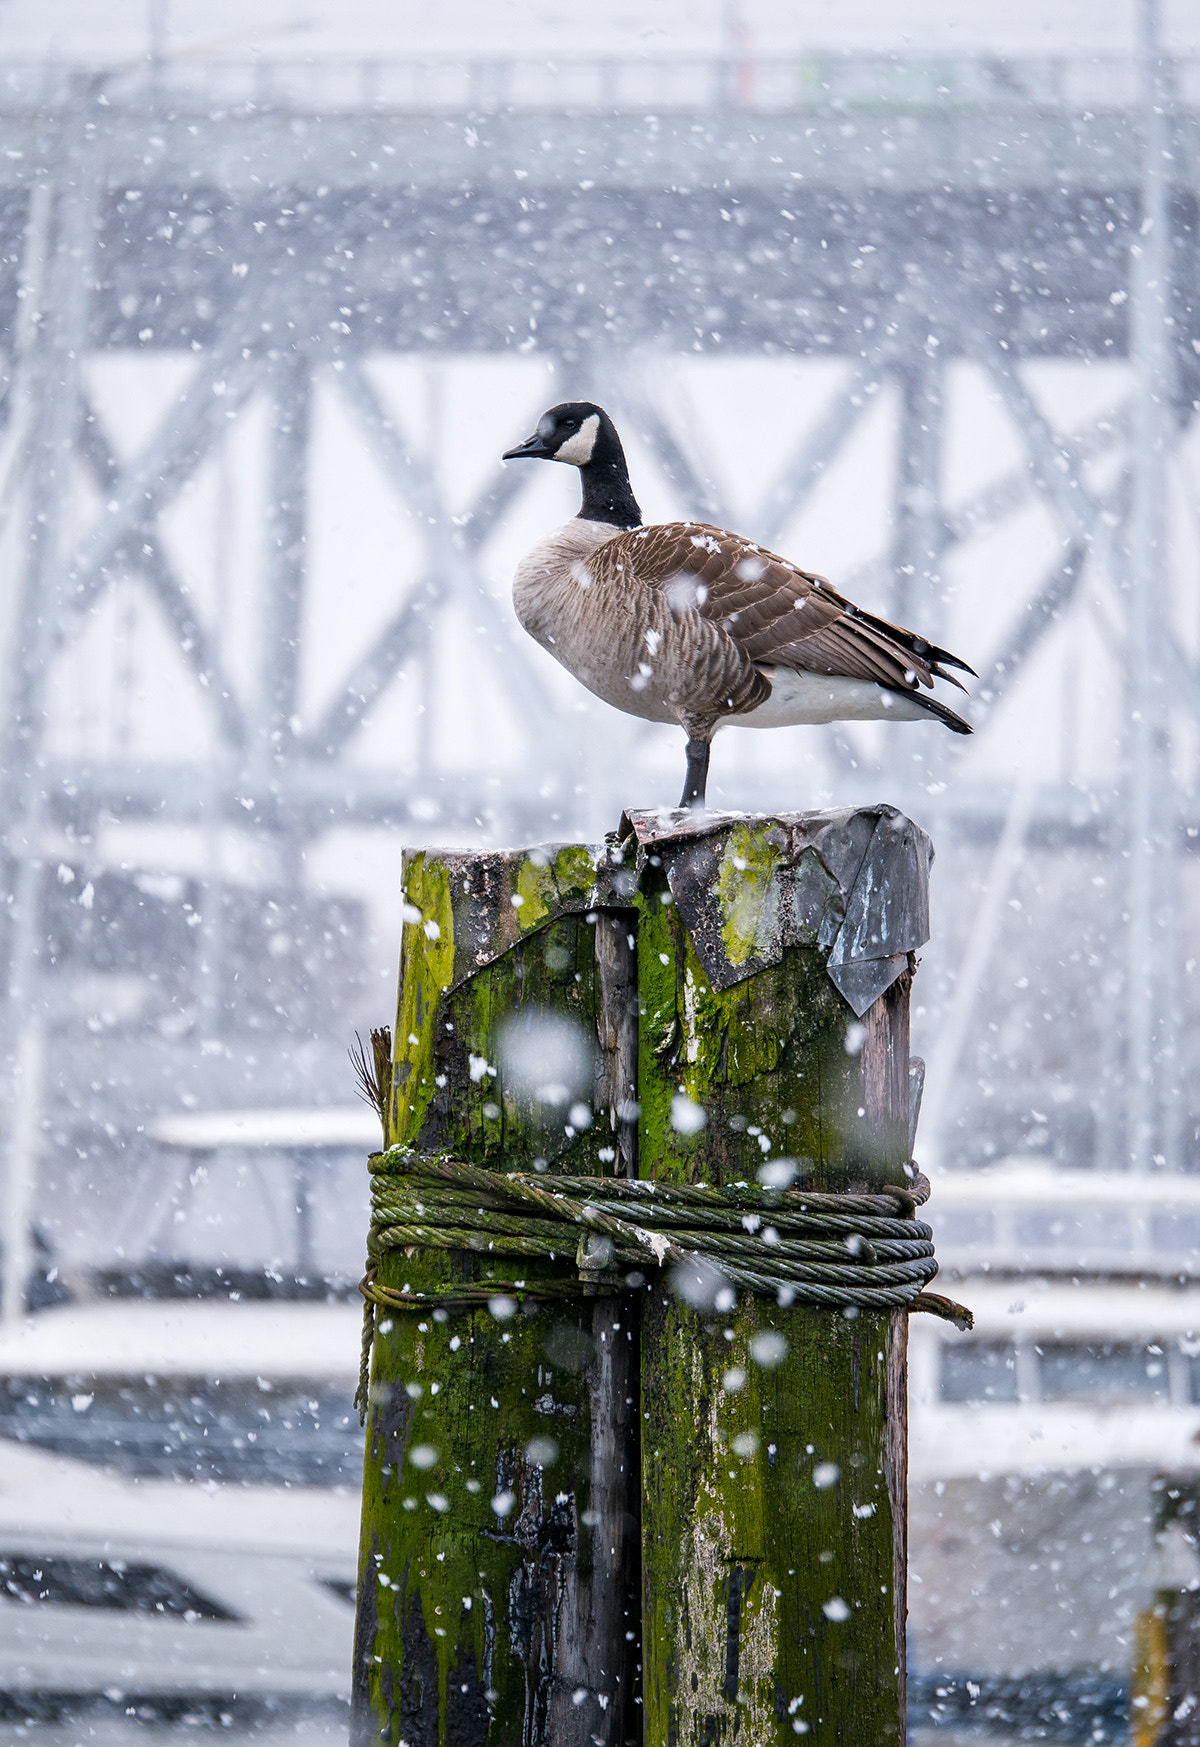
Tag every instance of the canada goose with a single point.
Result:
(683, 622)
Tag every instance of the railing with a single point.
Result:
(1028, 1218)
(442, 85)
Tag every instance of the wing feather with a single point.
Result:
(777, 614)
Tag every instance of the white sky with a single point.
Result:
(118, 29)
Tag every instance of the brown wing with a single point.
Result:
(777, 614)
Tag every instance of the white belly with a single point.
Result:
(820, 697)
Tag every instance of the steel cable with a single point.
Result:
(849, 1252)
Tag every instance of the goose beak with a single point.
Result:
(532, 449)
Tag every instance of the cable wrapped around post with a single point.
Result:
(843, 1251)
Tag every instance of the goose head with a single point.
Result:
(577, 432)
(581, 433)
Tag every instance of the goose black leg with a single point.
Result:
(696, 780)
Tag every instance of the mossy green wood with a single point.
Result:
(497, 1578)
(772, 1494)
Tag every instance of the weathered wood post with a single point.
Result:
(773, 975)
(735, 991)
(498, 1569)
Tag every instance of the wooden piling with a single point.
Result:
(773, 1439)
(498, 1567)
(742, 987)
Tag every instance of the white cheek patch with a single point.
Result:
(578, 449)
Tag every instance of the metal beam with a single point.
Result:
(326, 797)
(1091, 442)
(54, 424)
(403, 639)
(703, 500)
(316, 796)
(1151, 947)
(969, 975)
(918, 529)
(289, 391)
(490, 507)
(408, 268)
(20, 397)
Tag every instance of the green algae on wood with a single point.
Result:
(491, 942)
(773, 1063)
(773, 1439)
(769, 1519)
(497, 1577)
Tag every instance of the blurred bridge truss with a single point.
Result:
(280, 227)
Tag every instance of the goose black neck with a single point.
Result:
(607, 493)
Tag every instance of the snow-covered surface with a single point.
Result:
(266, 1555)
(41, 1492)
(1019, 1182)
(212, 1338)
(1034, 1438)
(352, 1125)
(1026, 1214)
(1031, 1308)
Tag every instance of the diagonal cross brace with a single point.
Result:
(143, 553)
(703, 499)
(1050, 460)
(375, 670)
(993, 503)
(174, 452)
(404, 635)
(1039, 615)
(815, 452)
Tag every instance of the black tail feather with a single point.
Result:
(928, 652)
(937, 708)
(943, 658)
